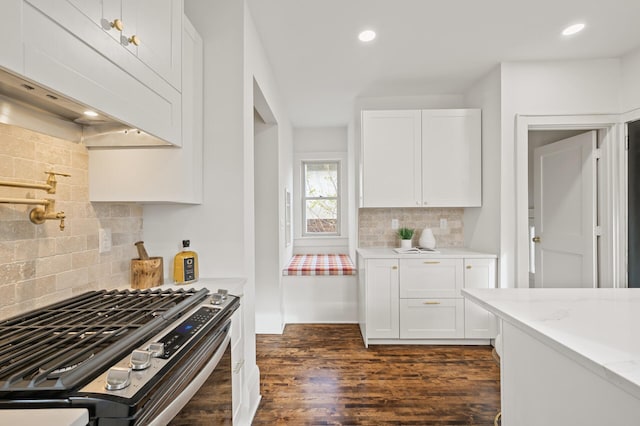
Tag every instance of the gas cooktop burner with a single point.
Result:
(61, 365)
(61, 346)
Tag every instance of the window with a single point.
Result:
(320, 198)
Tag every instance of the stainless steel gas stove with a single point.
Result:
(128, 357)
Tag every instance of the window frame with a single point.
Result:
(304, 198)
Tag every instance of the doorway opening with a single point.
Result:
(268, 300)
(609, 208)
(633, 194)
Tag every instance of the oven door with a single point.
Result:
(187, 380)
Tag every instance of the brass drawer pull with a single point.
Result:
(468, 266)
(431, 262)
(430, 303)
(394, 267)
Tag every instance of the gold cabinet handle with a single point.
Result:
(468, 266)
(429, 302)
(431, 262)
(394, 267)
(134, 39)
(536, 239)
(117, 24)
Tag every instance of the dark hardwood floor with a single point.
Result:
(323, 375)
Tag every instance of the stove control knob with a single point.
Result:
(118, 378)
(216, 299)
(140, 359)
(156, 349)
(222, 292)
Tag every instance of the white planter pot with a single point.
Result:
(405, 244)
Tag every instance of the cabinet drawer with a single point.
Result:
(431, 318)
(422, 278)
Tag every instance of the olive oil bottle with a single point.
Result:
(185, 265)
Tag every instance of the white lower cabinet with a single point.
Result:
(420, 299)
(431, 318)
(478, 322)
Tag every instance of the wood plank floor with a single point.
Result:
(323, 375)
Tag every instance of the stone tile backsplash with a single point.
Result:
(39, 264)
(375, 225)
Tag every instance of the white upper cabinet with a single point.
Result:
(159, 175)
(150, 29)
(451, 158)
(124, 89)
(421, 158)
(10, 30)
(391, 158)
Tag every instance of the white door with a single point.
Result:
(565, 206)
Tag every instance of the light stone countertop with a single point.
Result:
(235, 286)
(445, 253)
(45, 416)
(598, 328)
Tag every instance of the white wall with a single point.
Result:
(546, 88)
(269, 314)
(222, 228)
(321, 143)
(257, 70)
(630, 86)
(482, 225)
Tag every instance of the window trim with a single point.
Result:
(304, 198)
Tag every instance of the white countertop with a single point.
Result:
(235, 286)
(45, 416)
(451, 253)
(598, 328)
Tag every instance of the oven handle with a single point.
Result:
(166, 415)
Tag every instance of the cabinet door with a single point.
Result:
(157, 24)
(391, 158)
(10, 34)
(421, 278)
(431, 318)
(451, 158)
(382, 299)
(478, 322)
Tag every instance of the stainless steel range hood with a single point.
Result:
(30, 106)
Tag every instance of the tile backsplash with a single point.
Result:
(39, 264)
(375, 225)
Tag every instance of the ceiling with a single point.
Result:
(423, 47)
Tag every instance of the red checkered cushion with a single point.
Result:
(320, 264)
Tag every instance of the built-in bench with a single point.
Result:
(320, 264)
(320, 288)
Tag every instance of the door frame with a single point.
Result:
(611, 189)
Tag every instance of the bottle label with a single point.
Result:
(189, 269)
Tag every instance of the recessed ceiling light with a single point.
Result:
(367, 35)
(576, 28)
(91, 113)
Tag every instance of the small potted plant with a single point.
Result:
(405, 235)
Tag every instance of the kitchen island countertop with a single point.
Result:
(597, 328)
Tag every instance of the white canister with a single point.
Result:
(427, 240)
